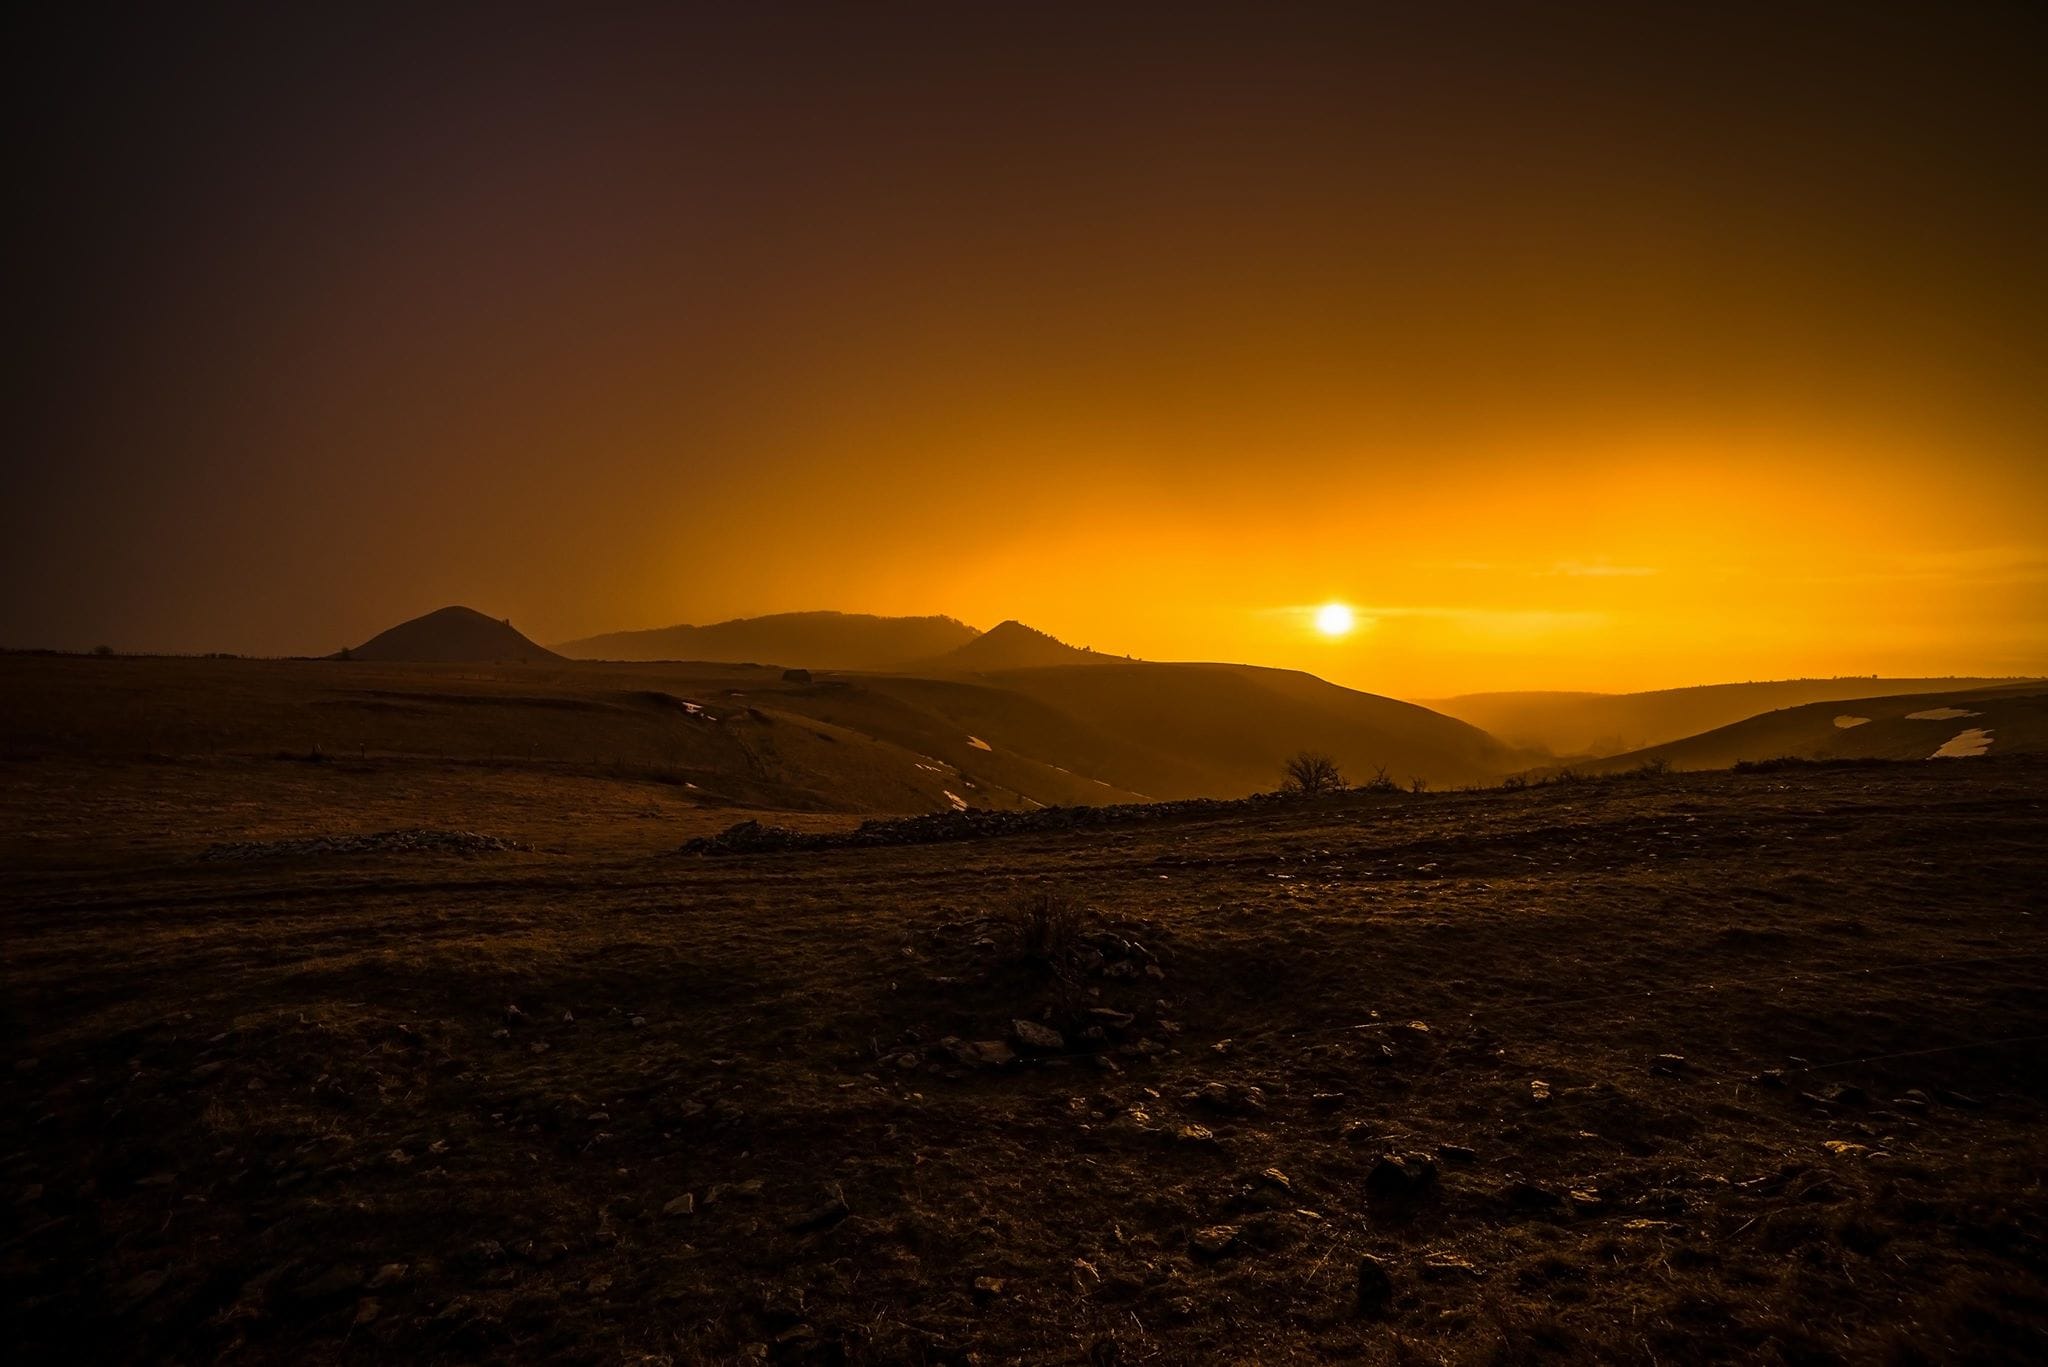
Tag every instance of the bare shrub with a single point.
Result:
(1380, 782)
(1310, 773)
(1046, 923)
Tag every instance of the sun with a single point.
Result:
(1334, 619)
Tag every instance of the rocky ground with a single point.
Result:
(1670, 1069)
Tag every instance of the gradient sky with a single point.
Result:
(1576, 346)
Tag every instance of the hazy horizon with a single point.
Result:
(1564, 360)
(1335, 646)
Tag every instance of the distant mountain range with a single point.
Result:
(1595, 724)
(854, 712)
(1011, 710)
(807, 640)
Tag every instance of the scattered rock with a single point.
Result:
(1035, 1036)
(335, 1282)
(1110, 1016)
(1456, 1153)
(367, 1311)
(1197, 1135)
(1400, 1180)
(1227, 1098)
(1668, 1065)
(986, 1053)
(1375, 1287)
(388, 1275)
(686, 1204)
(987, 1288)
(1529, 1196)
(1842, 1148)
(1441, 1267)
(148, 1284)
(822, 1216)
(1212, 1241)
(1539, 1091)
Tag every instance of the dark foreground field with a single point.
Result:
(1699, 1068)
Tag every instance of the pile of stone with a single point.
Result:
(974, 823)
(415, 841)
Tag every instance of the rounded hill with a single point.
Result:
(452, 635)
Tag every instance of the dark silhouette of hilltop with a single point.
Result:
(811, 640)
(1012, 645)
(452, 635)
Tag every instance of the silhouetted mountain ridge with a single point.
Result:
(810, 640)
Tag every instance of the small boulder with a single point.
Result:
(821, 1216)
(1213, 1241)
(1399, 1180)
(1032, 1035)
(1375, 1286)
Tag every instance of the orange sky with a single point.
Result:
(1574, 346)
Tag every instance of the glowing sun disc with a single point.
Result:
(1334, 619)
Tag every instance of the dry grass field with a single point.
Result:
(1705, 1067)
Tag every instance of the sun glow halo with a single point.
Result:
(1334, 619)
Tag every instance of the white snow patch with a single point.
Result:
(1845, 721)
(959, 802)
(978, 743)
(1939, 714)
(1964, 744)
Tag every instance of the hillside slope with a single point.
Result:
(810, 640)
(1568, 724)
(1204, 730)
(449, 636)
(1952, 723)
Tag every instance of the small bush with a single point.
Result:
(1047, 925)
(1310, 773)
(1379, 782)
